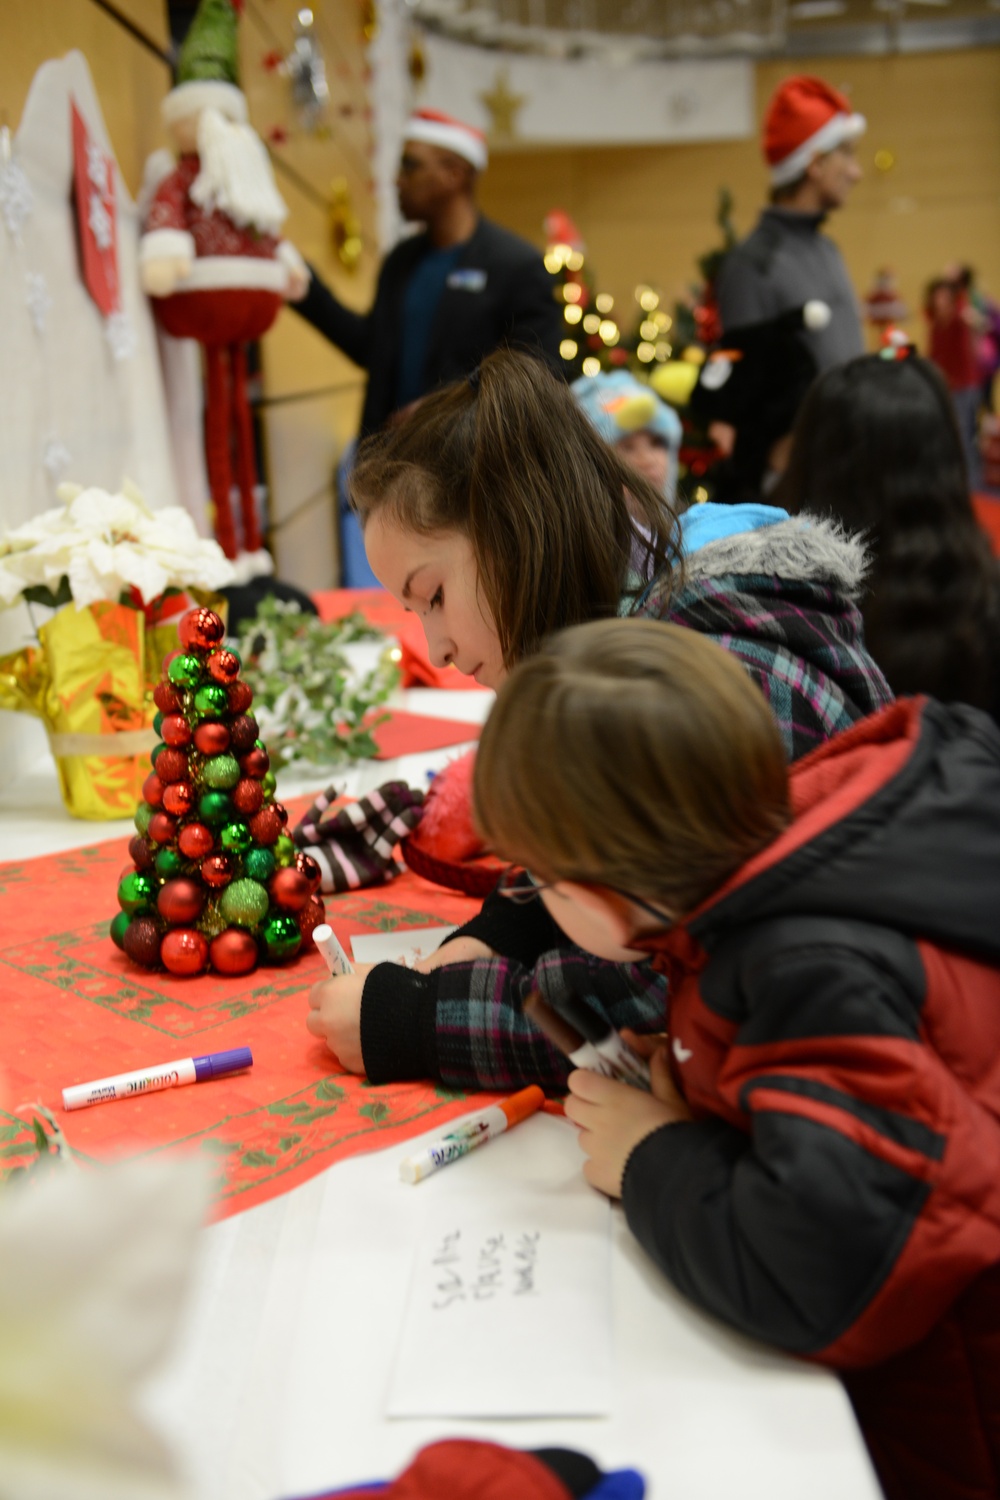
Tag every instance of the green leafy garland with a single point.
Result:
(309, 703)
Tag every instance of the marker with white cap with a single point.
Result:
(328, 944)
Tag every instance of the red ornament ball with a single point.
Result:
(255, 763)
(175, 730)
(152, 789)
(247, 796)
(233, 952)
(307, 866)
(240, 695)
(243, 732)
(265, 826)
(180, 900)
(171, 765)
(142, 942)
(162, 828)
(217, 870)
(211, 739)
(195, 840)
(282, 812)
(289, 889)
(310, 917)
(178, 798)
(184, 952)
(166, 697)
(223, 666)
(140, 853)
(200, 628)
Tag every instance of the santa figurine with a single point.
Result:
(212, 260)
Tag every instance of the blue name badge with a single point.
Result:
(467, 280)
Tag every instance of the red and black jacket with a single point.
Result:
(835, 1027)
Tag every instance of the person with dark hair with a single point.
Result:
(499, 515)
(876, 448)
(810, 131)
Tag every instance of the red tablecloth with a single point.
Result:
(75, 1009)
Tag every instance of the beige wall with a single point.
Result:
(647, 213)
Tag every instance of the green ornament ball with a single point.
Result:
(169, 862)
(215, 808)
(118, 926)
(236, 837)
(282, 937)
(143, 813)
(157, 722)
(136, 891)
(221, 771)
(269, 782)
(157, 751)
(259, 864)
(185, 671)
(212, 922)
(285, 849)
(244, 903)
(210, 700)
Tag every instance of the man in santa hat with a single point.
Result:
(448, 296)
(810, 142)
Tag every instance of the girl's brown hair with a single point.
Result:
(633, 754)
(508, 459)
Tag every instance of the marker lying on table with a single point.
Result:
(587, 1039)
(166, 1076)
(469, 1134)
(328, 944)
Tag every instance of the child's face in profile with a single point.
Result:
(437, 578)
(593, 923)
(648, 455)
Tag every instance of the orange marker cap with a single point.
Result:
(520, 1105)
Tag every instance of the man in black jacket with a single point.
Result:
(445, 297)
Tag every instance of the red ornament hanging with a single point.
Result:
(240, 695)
(248, 796)
(162, 828)
(307, 866)
(265, 826)
(175, 730)
(142, 942)
(152, 790)
(243, 732)
(167, 698)
(255, 763)
(140, 853)
(310, 917)
(217, 870)
(171, 765)
(223, 666)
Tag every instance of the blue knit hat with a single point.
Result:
(618, 404)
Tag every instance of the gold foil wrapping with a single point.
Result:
(91, 680)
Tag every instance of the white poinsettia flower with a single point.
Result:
(105, 545)
(94, 1266)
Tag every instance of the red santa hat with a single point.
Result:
(806, 118)
(438, 129)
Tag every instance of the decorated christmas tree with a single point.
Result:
(216, 881)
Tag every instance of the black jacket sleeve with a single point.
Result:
(520, 930)
(350, 331)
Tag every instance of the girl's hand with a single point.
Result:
(614, 1117)
(335, 1016)
(463, 950)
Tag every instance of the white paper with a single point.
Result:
(407, 946)
(509, 1311)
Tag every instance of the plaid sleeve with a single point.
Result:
(463, 1024)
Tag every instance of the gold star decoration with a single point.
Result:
(503, 106)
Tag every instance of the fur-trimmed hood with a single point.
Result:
(808, 549)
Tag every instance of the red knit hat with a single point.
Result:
(805, 119)
(438, 129)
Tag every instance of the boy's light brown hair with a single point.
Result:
(508, 459)
(633, 754)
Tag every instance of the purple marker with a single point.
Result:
(167, 1076)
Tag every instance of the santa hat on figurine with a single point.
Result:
(437, 129)
(806, 118)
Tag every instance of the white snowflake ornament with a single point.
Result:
(37, 299)
(16, 198)
(120, 334)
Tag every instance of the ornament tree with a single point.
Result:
(216, 881)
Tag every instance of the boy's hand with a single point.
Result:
(614, 1117)
(335, 1016)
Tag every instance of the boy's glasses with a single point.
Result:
(520, 886)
